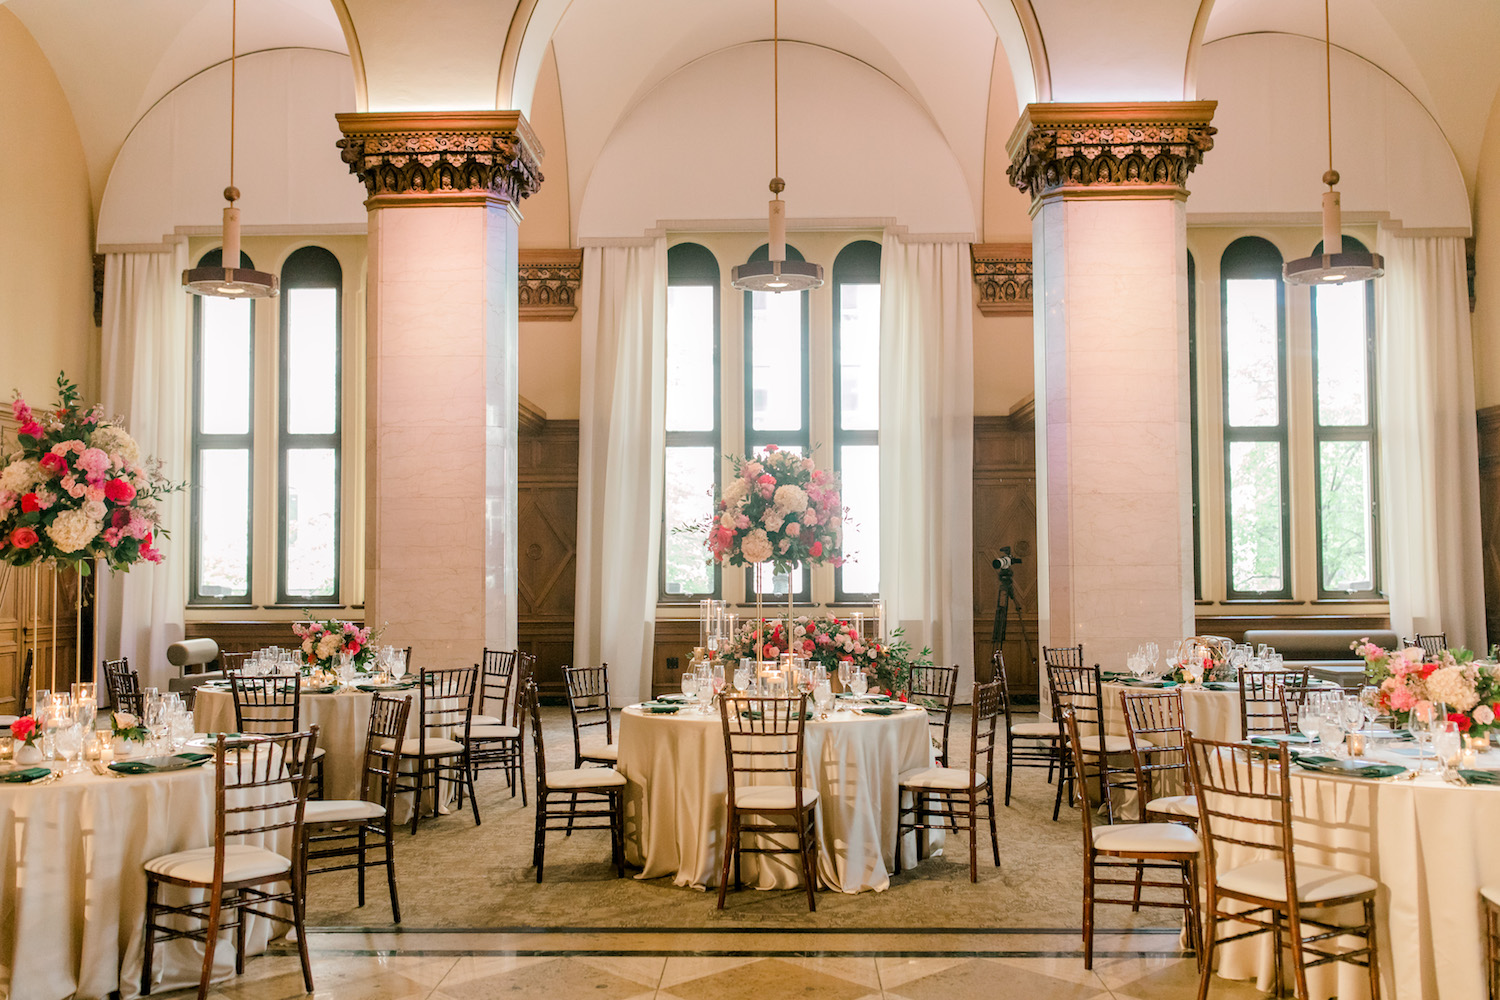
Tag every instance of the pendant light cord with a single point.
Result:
(1328, 79)
(233, 48)
(776, 88)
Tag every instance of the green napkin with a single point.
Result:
(26, 776)
(882, 710)
(1221, 686)
(405, 686)
(1276, 741)
(673, 697)
(758, 715)
(142, 767)
(1151, 684)
(1332, 765)
(328, 689)
(1479, 777)
(660, 708)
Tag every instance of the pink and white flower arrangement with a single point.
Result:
(76, 489)
(324, 641)
(1407, 685)
(779, 508)
(830, 641)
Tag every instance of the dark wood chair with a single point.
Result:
(1246, 803)
(950, 798)
(347, 830)
(124, 687)
(23, 695)
(495, 734)
(1266, 697)
(934, 688)
(576, 799)
(1078, 688)
(1124, 856)
(588, 707)
(1490, 897)
(269, 705)
(1433, 645)
(1027, 744)
(1158, 749)
(440, 750)
(230, 662)
(260, 791)
(764, 744)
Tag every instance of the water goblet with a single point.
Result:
(845, 668)
(1447, 744)
(858, 683)
(397, 666)
(690, 684)
(823, 697)
(1307, 721)
(1330, 733)
(1353, 712)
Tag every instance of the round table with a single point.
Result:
(1428, 844)
(73, 886)
(1206, 713)
(675, 799)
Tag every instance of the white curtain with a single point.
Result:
(1429, 451)
(145, 381)
(620, 454)
(927, 448)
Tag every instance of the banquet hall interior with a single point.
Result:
(1029, 387)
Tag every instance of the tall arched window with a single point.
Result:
(223, 445)
(1258, 509)
(856, 415)
(776, 390)
(1343, 354)
(309, 429)
(692, 420)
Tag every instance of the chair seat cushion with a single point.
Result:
(773, 798)
(1315, 883)
(342, 810)
(1175, 805)
(241, 862)
(601, 751)
(436, 746)
(493, 732)
(486, 720)
(319, 753)
(948, 778)
(1491, 894)
(585, 777)
(1146, 838)
(1042, 730)
(1109, 744)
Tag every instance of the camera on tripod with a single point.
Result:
(1006, 560)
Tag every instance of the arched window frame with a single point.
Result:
(857, 264)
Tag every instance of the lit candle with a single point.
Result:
(859, 625)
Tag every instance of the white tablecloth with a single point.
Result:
(1430, 845)
(1207, 714)
(73, 889)
(675, 802)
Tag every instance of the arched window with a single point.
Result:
(692, 420)
(1257, 508)
(856, 415)
(1192, 296)
(1343, 331)
(309, 429)
(776, 391)
(223, 445)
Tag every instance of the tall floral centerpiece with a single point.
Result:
(325, 642)
(781, 509)
(1407, 685)
(76, 489)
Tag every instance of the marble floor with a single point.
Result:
(731, 965)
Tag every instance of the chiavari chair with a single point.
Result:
(124, 687)
(1433, 645)
(1245, 805)
(588, 707)
(495, 741)
(271, 704)
(934, 687)
(446, 700)
(1078, 688)
(1158, 749)
(1490, 897)
(576, 799)
(1027, 744)
(1264, 696)
(950, 798)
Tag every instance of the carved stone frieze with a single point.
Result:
(413, 157)
(549, 283)
(1002, 278)
(1112, 150)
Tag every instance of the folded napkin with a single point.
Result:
(863, 697)
(758, 715)
(1474, 777)
(882, 709)
(26, 776)
(1221, 686)
(1334, 765)
(673, 697)
(1151, 684)
(404, 686)
(327, 689)
(1276, 741)
(660, 707)
(145, 767)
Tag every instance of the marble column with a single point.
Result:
(441, 405)
(1114, 474)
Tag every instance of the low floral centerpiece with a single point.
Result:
(24, 732)
(325, 642)
(1408, 686)
(77, 489)
(829, 641)
(126, 733)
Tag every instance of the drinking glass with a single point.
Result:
(68, 739)
(823, 696)
(844, 673)
(397, 667)
(1353, 712)
(85, 711)
(1330, 732)
(1194, 667)
(1426, 719)
(690, 684)
(1307, 720)
(1369, 695)
(1153, 654)
(742, 678)
(1447, 744)
(858, 683)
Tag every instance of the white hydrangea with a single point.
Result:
(1452, 687)
(328, 646)
(72, 530)
(20, 475)
(113, 439)
(736, 491)
(756, 547)
(791, 500)
(94, 510)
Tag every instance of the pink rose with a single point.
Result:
(31, 429)
(816, 550)
(23, 538)
(55, 464)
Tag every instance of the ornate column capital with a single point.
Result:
(549, 282)
(1142, 150)
(1002, 278)
(445, 157)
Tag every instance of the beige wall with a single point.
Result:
(1487, 266)
(46, 271)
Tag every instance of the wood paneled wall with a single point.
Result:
(547, 537)
(1005, 514)
(54, 641)
(1489, 516)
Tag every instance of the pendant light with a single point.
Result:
(776, 274)
(225, 281)
(1333, 266)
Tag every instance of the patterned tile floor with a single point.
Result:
(695, 965)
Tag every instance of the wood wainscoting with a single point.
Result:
(1489, 516)
(547, 543)
(55, 641)
(1005, 514)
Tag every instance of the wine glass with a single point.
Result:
(1353, 712)
(858, 683)
(823, 696)
(845, 667)
(742, 678)
(397, 668)
(689, 685)
(1426, 719)
(1307, 720)
(1447, 744)
(1369, 707)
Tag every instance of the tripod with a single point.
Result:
(1004, 601)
